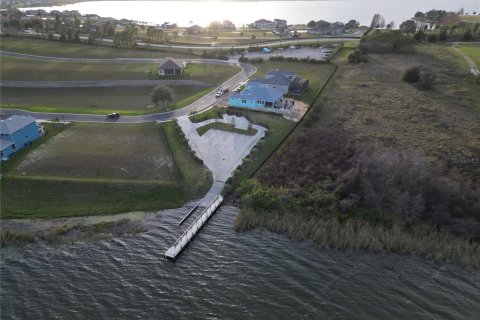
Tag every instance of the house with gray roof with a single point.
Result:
(17, 132)
(286, 81)
(171, 67)
(256, 96)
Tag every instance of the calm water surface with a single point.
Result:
(242, 12)
(225, 275)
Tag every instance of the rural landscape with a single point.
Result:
(355, 141)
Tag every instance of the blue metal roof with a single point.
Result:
(14, 123)
(259, 93)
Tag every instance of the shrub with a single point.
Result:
(412, 74)
(432, 38)
(386, 41)
(467, 36)
(419, 36)
(443, 35)
(357, 56)
(426, 80)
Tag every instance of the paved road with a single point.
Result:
(201, 104)
(101, 83)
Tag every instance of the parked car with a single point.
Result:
(219, 93)
(226, 90)
(114, 115)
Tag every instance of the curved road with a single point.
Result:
(201, 104)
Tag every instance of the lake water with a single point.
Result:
(184, 13)
(225, 275)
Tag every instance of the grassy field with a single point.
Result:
(89, 169)
(127, 100)
(74, 50)
(32, 70)
(131, 100)
(472, 50)
(317, 74)
(225, 127)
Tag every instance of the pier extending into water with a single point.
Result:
(197, 224)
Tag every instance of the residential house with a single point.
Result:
(286, 81)
(256, 96)
(280, 23)
(264, 24)
(171, 67)
(16, 133)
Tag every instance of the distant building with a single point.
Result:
(195, 29)
(264, 24)
(170, 67)
(16, 133)
(280, 23)
(168, 25)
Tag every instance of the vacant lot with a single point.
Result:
(127, 100)
(102, 169)
(32, 70)
(74, 50)
(131, 100)
(92, 151)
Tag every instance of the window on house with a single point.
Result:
(244, 101)
(13, 146)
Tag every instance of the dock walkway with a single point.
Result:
(197, 224)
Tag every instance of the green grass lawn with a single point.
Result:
(74, 50)
(32, 70)
(472, 50)
(127, 100)
(89, 169)
(225, 127)
(317, 74)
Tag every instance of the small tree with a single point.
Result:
(161, 93)
(443, 35)
(253, 37)
(467, 36)
(408, 26)
(51, 37)
(419, 36)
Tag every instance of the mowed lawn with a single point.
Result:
(74, 50)
(317, 74)
(15, 69)
(472, 50)
(90, 169)
(127, 100)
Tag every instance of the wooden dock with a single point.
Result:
(196, 225)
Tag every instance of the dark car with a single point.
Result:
(114, 115)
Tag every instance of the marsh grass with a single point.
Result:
(355, 235)
(64, 233)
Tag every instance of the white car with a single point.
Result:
(219, 93)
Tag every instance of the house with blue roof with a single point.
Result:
(256, 96)
(17, 132)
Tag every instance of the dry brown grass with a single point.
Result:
(372, 102)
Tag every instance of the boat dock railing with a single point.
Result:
(196, 225)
